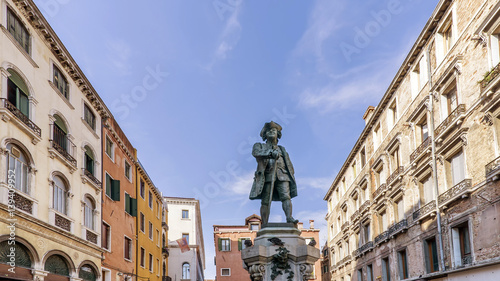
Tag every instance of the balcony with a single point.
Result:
(382, 237)
(21, 120)
(64, 147)
(492, 168)
(398, 228)
(346, 259)
(344, 226)
(364, 207)
(364, 248)
(62, 222)
(355, 216)
(379, 192)
(397, 174)
(421, 149)
(91, 177)
(455, 118)
(91, 236)
(23, 203)
(490, 77)
(427, 209)
(165, 251)
(460, 190)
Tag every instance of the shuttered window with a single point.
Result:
(60, 82)
(457, 168)
(18, 30)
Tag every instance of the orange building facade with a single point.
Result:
(229, 240)
(119, 208)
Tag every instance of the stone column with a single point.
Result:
(280, 254)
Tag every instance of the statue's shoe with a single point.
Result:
(292, 220)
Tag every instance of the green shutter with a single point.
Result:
(127, 203)
(133, 207)
(220, 244)
(239, 244)
(108, 185)
(115, 190)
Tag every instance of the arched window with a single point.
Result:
(89, 213)
(60, 195)
(56, 264)
(185, 271)
(59, 133)
(21, 254)
(17, 168)
(87, 273)
(17, 92)
(89, 160)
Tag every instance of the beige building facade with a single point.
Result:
(50, 154)
(418, 196)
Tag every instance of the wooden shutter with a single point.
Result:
(133, 207)
(239, 244)
(127, 203)
(220, 244)
(108, 185)
(115, 190)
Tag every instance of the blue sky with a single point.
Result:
(192, 83)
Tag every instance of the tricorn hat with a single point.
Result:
(270, 125)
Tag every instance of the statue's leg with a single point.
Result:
(265, 207)
(286, 201)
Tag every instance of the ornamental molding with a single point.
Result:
(31, 13)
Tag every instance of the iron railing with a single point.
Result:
(421, 148)
(425, 210)
(23, 118)
(63, 144)
(398, 227)
(381, 237)
(457, 190)
(379, 191)
(399, 171)
(450, 119)
(89, 175)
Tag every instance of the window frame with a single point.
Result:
(143, 257)
(429, 253)
(185, 212)
(150, 230)
(88, 112)
(225, 248)
(63, 83)
(222, 269)
(108, 236)
(25, 46)
(111, 148)
(403, 264)
(142, 222)
(131, 245)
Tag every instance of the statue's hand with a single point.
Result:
(275, 154)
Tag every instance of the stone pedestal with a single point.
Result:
(265, 260)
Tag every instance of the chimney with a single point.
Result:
(311, 224)
(368, 114)
(300, 225)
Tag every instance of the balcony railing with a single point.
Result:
(346, 259)
(90, 176)
(379, 191)
(365, 206)
(361, 250)
(490, 77)
(381, 237)
(23, 118)
(398, 227)
(456, 191)
(164, 250)
(91, 237)
(63, 145)
(455, 114)
(425, 210)
(398, 172)
(492, 167)
(22, 203)
(421, 148)
(62, 222)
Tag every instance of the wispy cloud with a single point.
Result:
(321, 183)
(228, 39)
(119, 55)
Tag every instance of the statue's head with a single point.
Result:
(270, 127)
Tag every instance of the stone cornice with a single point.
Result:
(31, 13)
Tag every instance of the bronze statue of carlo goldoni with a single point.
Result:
(274, 179)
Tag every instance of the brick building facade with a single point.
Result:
(418, 196)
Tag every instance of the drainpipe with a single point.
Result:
(434, 163)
